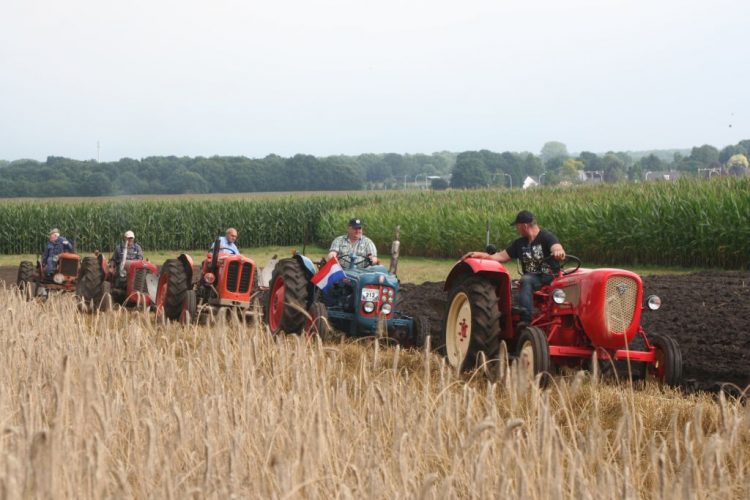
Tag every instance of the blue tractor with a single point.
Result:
(362, 304)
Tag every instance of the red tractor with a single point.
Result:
(133, 283)
(581, 313)
(225, 286)
(35, 281)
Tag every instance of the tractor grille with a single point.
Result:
(232, 274)
(245, 277)
(139, 282)
(69, 267)
(620, 303)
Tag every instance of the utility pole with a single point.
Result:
(97, 151)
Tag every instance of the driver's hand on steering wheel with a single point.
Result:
(331, 255)
(373, 260)
(558, 253)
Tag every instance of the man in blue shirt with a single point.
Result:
(55, 246)
(226, 243)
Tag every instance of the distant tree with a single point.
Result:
(614, 169)
(569, 170)
(729, 151)
(470, 172)
(553, 149)
(705, 154)
(738, 164)
(439, 184)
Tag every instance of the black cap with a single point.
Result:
(523, 217)
(355, 223)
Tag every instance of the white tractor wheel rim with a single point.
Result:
(458, 330)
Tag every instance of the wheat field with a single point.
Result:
(115, 405)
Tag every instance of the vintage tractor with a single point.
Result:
(581, 313)
(357, 305)
(35, 282)
(225, 286)
(133, 283)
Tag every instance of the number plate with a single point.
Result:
(370, 294)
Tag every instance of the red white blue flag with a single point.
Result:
(329, 274)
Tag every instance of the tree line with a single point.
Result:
(58, 176)
(555, 165)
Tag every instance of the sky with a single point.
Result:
(88, 79)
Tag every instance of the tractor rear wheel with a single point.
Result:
(172, 288)
(533, 353)
(90, 283)
(317, 321)
(287, 296)
(667, 369)
(471, 324)
(25, 281)
(189, 313)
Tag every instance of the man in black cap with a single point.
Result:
(534, 248)
(354, 246)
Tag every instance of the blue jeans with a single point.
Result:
(530, 282)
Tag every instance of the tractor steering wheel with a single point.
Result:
(365, 261)
(567, 260)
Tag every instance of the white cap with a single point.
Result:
(54, 231)
(129, 234)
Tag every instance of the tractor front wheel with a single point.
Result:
(533, 353)
(667, 369)
(189, 308)
(287, 296)
(172, 289)
(471, 324)
(317, 321)
(421, 330)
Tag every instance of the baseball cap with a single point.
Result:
(355, 223)
(523, 217)
(129, 234)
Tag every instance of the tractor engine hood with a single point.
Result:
(608, 303)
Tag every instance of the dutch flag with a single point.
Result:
(329, 274)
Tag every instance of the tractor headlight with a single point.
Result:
(58, 278)
(386, 309)
(558, 295)
(368, 307)
(653, 302)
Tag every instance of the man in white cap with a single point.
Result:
(133, 252)
(55, 246)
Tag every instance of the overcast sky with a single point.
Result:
(220, 77)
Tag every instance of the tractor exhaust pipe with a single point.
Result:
(395, 251)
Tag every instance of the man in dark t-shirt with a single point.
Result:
(533, 249)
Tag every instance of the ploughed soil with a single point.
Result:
(708, 313)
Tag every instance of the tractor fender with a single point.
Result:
(496, 272)
(187, 262)
(306, 264)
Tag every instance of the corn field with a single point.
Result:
(114, 405)
(686, 223)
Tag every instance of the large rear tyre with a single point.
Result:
(317, 321)
(533, 353)
(471, 324)
(172, 289)
(667, 369)
(285, 308)
(90, 284)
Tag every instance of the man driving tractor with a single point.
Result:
(134, 250)
(227, 242)
(56, 245)
(354, 246)
(533, 248)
